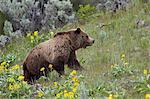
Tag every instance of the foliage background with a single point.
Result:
(117, 65)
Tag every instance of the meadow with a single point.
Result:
(117, 66)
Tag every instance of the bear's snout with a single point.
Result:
(91, 41)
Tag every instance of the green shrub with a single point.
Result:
(142, 84)
(85, 12)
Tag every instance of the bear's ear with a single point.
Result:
(78, 30)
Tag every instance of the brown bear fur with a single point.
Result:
(57, 51)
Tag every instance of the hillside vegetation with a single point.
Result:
(117, 66)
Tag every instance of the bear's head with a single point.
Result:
(82, 39)
(77, 38)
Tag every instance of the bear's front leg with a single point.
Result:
(59, 67)
(73, 62)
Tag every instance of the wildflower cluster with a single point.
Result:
(33, 36)
(147, 96)
(116, 95)
(40, 94)
(14, 87)
(110, 96)
(12, 83)
(143, 83)
(69, 88)
(122, 68)
(15, 80)
(145, 72)
(6, 61)
(2, 66)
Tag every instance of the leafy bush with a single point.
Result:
(11, 81)
(26, 16)
(8, 29)
(85, 12)
(77, 3)
(33, 15)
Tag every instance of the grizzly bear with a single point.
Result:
(57, 51)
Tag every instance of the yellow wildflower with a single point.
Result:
(74, 89)
(147, 96)
(145, 71)
(77, 80)
(66, 94)
(65, 91)
(76, 84)
(71, 94)
(16, 86)
(74, 79)
(3, 63)
(40, 94)
(110, 96)
(50, 66)
(74, 72)
(15, 67)
(55, 83)
(59, 94)
(10, 87)
(42, 69)
(122, 55)
(35, 33)
(20, 77)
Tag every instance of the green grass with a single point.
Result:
(119, 36)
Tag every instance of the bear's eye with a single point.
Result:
(82, 36)
(86, 36)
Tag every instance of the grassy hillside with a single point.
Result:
(114, 65)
